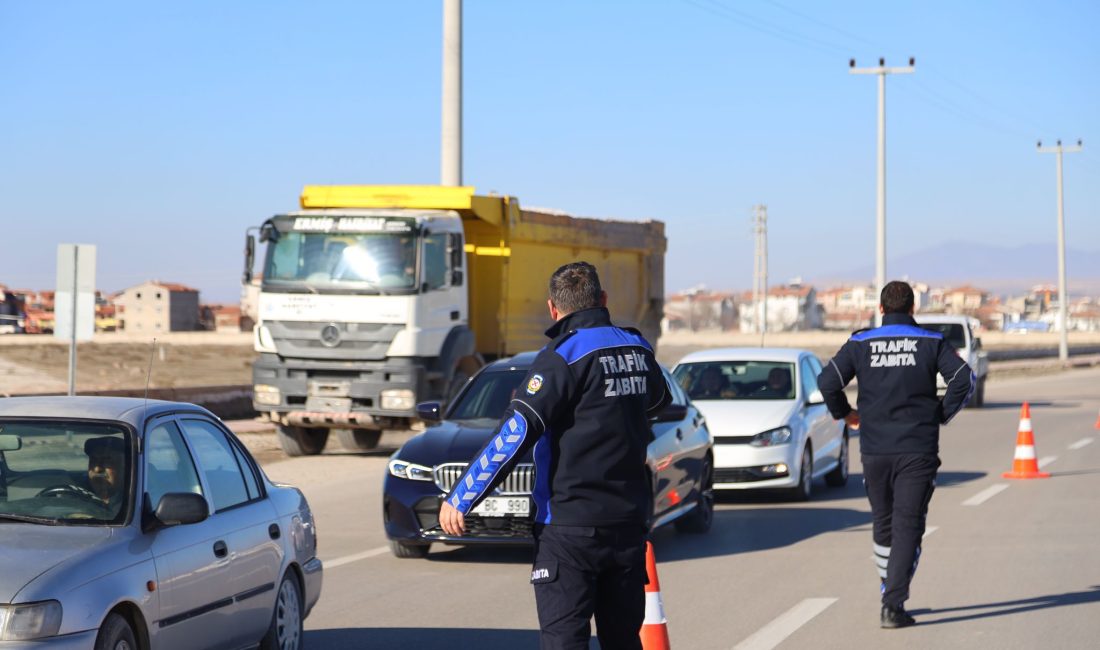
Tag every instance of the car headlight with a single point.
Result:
(398, 399)
(780, 436)
(264, 394)
(401, 469)
(30, 621)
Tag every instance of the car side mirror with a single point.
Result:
(977, 343)
(429, 411)
(672, 413)
(456, 278)
(181, 508)
(10, 442)
(815, 398)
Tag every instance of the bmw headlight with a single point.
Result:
(401, 469)
(30, 621)
(780, 436)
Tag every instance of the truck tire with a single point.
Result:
(979, 394)
(302, 441)
(359, 439)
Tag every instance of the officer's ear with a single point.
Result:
(554, 313)
(603, 299)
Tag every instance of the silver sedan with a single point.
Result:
(127, 525)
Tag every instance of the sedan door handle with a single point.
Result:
(679, 434)
(220, 549)
(273, 531)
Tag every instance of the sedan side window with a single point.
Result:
(219, 464)
(168, 464)
(678, 396)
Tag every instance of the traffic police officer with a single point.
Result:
(584, 407)
(900, 414)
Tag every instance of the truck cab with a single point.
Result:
(958, 330)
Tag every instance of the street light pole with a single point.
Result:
(1063, 297)
(880, 239)
(451, 136)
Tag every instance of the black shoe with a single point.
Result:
(894, 617)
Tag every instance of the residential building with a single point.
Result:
(790, 308)
(156, 306)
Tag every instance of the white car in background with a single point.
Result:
(770, 426)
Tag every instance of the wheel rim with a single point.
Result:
(288, 617)
(123, 644)
(706, 500)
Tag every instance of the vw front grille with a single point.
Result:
(520, 481)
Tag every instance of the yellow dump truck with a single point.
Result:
(375, 298)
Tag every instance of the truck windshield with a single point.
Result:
(953, 332)
(64, 472)
(380, 261)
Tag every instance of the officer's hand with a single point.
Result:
(852, 419)
(451, 520)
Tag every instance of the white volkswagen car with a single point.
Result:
(770, 425)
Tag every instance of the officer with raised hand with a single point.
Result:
(584, 407)
(899, 420)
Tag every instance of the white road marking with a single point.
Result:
(928, 530)
(985, 495)
(785, 625)
(1046, 460)
(348, 559)
(1083, 442)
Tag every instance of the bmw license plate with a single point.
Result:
(503, 507)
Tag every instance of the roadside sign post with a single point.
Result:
(74, 302)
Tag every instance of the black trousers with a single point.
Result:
(582, 571)
(899, 487)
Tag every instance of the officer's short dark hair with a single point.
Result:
(574, 287)
(897, 298)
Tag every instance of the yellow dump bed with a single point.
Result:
(511, 253)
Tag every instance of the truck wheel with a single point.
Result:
(359, 439)
(407, 551)
(302, 441)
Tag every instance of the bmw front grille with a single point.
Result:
(520, 481)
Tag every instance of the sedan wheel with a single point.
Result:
(839, 476)
(285, 632)
(115, 634)
(700, 518)
(805, 487)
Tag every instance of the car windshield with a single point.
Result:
(488, 395)
(64, 472)
(381, 262)
(953, 332)
(736, 380)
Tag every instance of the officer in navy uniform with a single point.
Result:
(896, 367)
(584, 407)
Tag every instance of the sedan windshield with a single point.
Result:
(64, 472)
(370, 261)
(736, 380)
(488, 396)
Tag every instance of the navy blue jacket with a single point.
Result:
(896, 366)
(584, 407)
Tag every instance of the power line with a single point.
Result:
(760, 25)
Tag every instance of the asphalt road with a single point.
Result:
(1006, 564)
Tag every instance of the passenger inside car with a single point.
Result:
(778, 386)
(712, 384)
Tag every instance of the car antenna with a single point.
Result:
(148, 377)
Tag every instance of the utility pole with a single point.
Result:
(880, 245)
(760, 270)
(1063, 297)
(451, 140)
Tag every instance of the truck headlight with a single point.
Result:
(264, 394)
(780, 436)
(401, 469)
(30, 621)
(398, 399)
(264, 341)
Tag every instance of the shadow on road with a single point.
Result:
(748, 530)
(423, 638)
(1018, 405)
(1009, 607)
(949, 479)
(483, 554)
(1077, 472)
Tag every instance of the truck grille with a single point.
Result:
(520, 481)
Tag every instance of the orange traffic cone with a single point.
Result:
(1098, 420)
(1024, 464)
(655, 627)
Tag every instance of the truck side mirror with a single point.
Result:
(456, 278)
(977, 343)
(457, 253)
(249, 257)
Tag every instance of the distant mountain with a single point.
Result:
(997, 268)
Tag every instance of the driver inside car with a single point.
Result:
(106, 463)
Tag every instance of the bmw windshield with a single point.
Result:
(64, 472)
(488, 396)
(366, 254)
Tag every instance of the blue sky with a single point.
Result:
(161, 131)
